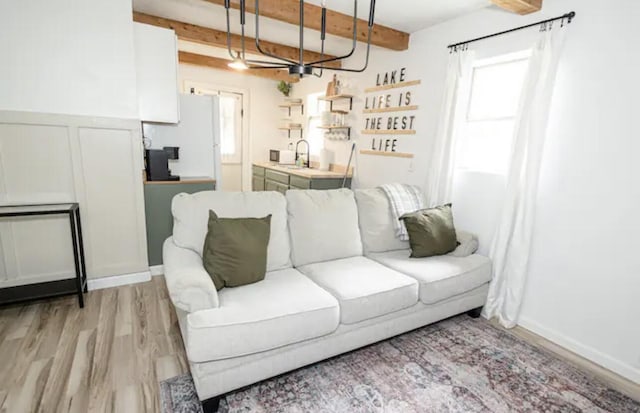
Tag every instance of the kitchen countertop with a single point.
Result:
(309, 173)
(184, 180)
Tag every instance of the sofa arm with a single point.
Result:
(190, 286)
(468, 244)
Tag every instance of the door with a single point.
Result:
(231, 113)
(231, 145)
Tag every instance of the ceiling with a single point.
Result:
(405, 15)
(408, 15)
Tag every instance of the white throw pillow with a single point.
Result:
(191, 215)
(323, 225)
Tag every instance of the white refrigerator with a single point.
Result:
(197, 135)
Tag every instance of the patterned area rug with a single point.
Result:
(457, 365)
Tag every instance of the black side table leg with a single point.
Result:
(76, 259)
(81, 245)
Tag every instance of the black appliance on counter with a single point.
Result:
(157, 163)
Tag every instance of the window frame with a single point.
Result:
(504, 59)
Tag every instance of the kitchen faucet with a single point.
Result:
(307, 163)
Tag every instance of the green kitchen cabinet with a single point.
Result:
(157, 201)
(266, 179)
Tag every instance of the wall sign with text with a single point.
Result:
(380, 119)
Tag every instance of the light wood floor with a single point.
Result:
(107, 357)
(111, 355)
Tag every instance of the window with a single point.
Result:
(488, 128)
(231, 127)
(314, 135)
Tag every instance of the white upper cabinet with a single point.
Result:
(157, 73)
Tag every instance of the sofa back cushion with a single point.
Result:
(191, 215)
(376, 222)
(323, 225)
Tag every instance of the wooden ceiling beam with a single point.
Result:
(338, 24)
(222, 64)
(519, 6)
(217, 38)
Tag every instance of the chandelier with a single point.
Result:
(299, 67)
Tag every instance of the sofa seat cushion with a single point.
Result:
(364, 288)
(440, 277)
(285, 308)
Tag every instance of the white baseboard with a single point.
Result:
(625, 370)
(118, 280)
(156, 270)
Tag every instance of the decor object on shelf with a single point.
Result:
(333, 87)
(285, 88)
(299, 67)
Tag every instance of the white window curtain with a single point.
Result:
(442, 166)
(511, 244)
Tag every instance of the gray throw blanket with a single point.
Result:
(403, 199)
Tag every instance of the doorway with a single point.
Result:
(233, 134)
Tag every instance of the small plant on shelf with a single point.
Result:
(284, 88)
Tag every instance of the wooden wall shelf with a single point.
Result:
(290, 105)
(335, 97)
(391, 109)
(387, 132)
(393, 86)
(389, 154)
(333, 127)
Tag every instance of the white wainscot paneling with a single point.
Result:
(113, 197)
(96, 162)
(35, 164)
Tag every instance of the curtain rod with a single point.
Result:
(568, 16)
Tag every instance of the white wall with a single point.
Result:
(68, 56)
(584, 278)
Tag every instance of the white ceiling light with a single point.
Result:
(238, 63)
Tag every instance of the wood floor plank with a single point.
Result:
(150, 397)
(63, 358)
(91, 310)
(25, 396)
(124, 312)
(101, 362)
(25, 319)
(8, 351)
(8, 317)
(141, 337)
(29, 345)
(52, 331)
(122, 364)
(129, 399)
(167, 367)
(76, 396)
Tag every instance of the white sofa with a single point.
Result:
(338, 279)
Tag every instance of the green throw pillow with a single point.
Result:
(431, 231)
(235, 250)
